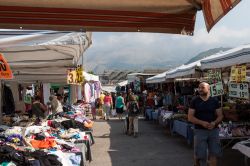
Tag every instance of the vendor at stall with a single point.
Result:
(38, 109)
(205, 114)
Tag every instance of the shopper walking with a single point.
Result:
(205, 114)
(119, 103)
(133, 114)
(102, 96)
(108, 102)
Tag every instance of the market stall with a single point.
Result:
(42, 63)
(137, 81)
(229, 84)
(232, 67)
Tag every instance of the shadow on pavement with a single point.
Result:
(155, 147)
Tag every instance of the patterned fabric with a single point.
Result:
(214, 10)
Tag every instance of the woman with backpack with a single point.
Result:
(133, 114)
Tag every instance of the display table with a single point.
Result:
(244, 148)
(230, 140)
(184, 129)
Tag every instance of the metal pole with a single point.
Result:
(1, 100)
(221, 97)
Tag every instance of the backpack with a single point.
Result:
(133, 108)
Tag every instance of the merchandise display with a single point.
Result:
(64, 139)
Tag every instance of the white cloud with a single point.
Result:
(140, 48)
(221, 36)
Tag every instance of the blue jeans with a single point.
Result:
(206, 142)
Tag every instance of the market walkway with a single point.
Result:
(154, 146)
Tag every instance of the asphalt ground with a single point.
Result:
(154, 146)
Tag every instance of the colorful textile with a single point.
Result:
(43, 144)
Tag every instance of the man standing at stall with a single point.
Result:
(205, 114)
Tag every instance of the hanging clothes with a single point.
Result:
(87, 92)
(98, 89)
(8, 101)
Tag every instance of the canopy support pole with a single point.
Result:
(1, 103)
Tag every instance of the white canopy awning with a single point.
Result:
(109, 89)
(167, 16)
(157, 78)
(123, 83)
(235, 56)
(33, 55)
(90, 77)
(183, 70)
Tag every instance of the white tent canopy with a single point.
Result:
(123, 83)
(157, 78)
(183, 70)
(235, 56)
(90, 77)
(33, 55)
(109, 89)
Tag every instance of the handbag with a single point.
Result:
(124, 108)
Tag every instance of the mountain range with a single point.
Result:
(99, 65)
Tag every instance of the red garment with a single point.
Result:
(150, 102)
(108, 100)
(43, 144)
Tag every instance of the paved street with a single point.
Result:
(154, 147)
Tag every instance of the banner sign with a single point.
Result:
(239, 90)
(5, 71)
(214, 76)
(238, 73)
(216, 89)
(75, 76)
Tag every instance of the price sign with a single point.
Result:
(216, 89)
(5, 71)
(79, 74)
(74, 77)
(214, 76)
(239, 90)
(238, 73)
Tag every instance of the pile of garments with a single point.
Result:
(164, 118)
(10, 155)
(54, 140)
(234, 130)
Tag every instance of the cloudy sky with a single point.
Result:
(153, 48)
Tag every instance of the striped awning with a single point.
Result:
(166, 16)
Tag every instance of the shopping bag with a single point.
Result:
(113, 112)
(124, 108)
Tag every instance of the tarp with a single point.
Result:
(108, 89)
(136, 76)
(33, 55)
(157, 78)
(183, 70)
(235, 56)
(90, 77)
(123, 83)
(168, 16)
